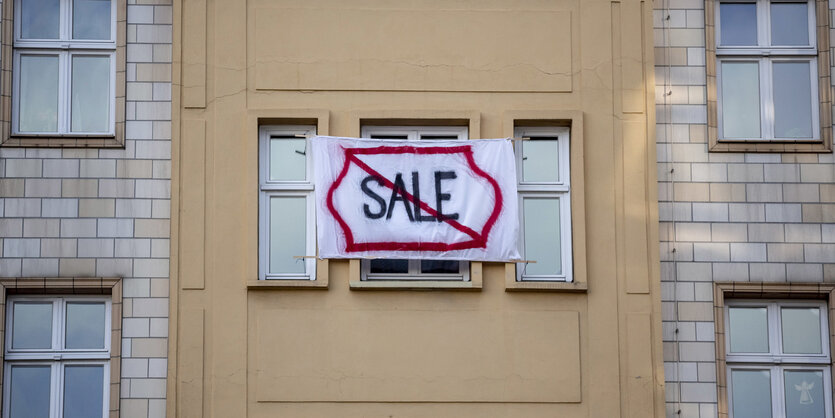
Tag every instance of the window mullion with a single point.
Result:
(775, 331)
(56, 324)
(766, 99)
(64, 93)
(565, 232)
(414, 266)
(764, 24)
(56, 384)
(777, 403)
(813, 24)
(310, 236)
(112, 95)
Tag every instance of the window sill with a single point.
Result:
(286, 284)
(569, 287)
(413, 285)
(769, 146)
(511, 285)
(83, 141)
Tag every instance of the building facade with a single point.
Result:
(746, 206)
(85, 167)
(260, 327)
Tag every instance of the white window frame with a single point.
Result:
(414, 133)
(775, 360)
(766, 55)
(57, 357)
(270, 188)
(534, 190)
(65, 48)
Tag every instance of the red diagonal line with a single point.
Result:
(386, 182)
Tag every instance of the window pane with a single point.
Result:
(439, 266)
(738, 23)
(83, 391)
(90, 94)
(389, 136)
(540, 161)
(748, 330)
(38, 93)
(29, 392)
(801, 330)
(542, 236)
(85, 325)
(389, 266)
(792, 100)
(288, 237)
(741, 99)
(39, 19)
(789, 24)
(804, 394)
(751, 393)
(91, 19)
(287, 159)
(32, 325)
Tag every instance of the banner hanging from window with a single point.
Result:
(416, 199)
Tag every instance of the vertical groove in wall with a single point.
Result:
(632, 61)
(639, 387)
(194, 54)
(635, 206)
(190, 375)
(193, 204)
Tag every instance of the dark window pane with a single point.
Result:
(29, 392)
(751, 393)
(792, 100)
(738, 23)
(804, 394)
(38, 95)
(439, 266)
(32, 325)
(788, 21)
(40, 19)
(390, 266)
(91, 19)
(83, 391)
(90, 93)
(85, 325)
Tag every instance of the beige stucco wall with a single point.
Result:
(242, 348)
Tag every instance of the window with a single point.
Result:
(543, 175)
(64, 73)
(287, 221)
(57, 357)
(777, 358)
(766, 68)
(402, 269)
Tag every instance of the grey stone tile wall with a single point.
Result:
(96, 212)
(724, 216)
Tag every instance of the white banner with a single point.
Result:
(416, 199)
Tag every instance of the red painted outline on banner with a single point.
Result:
(479, 240)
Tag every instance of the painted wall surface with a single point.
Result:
(724, 217)
(240, 347)
(105, 212)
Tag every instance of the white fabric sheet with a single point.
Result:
(416, 199)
